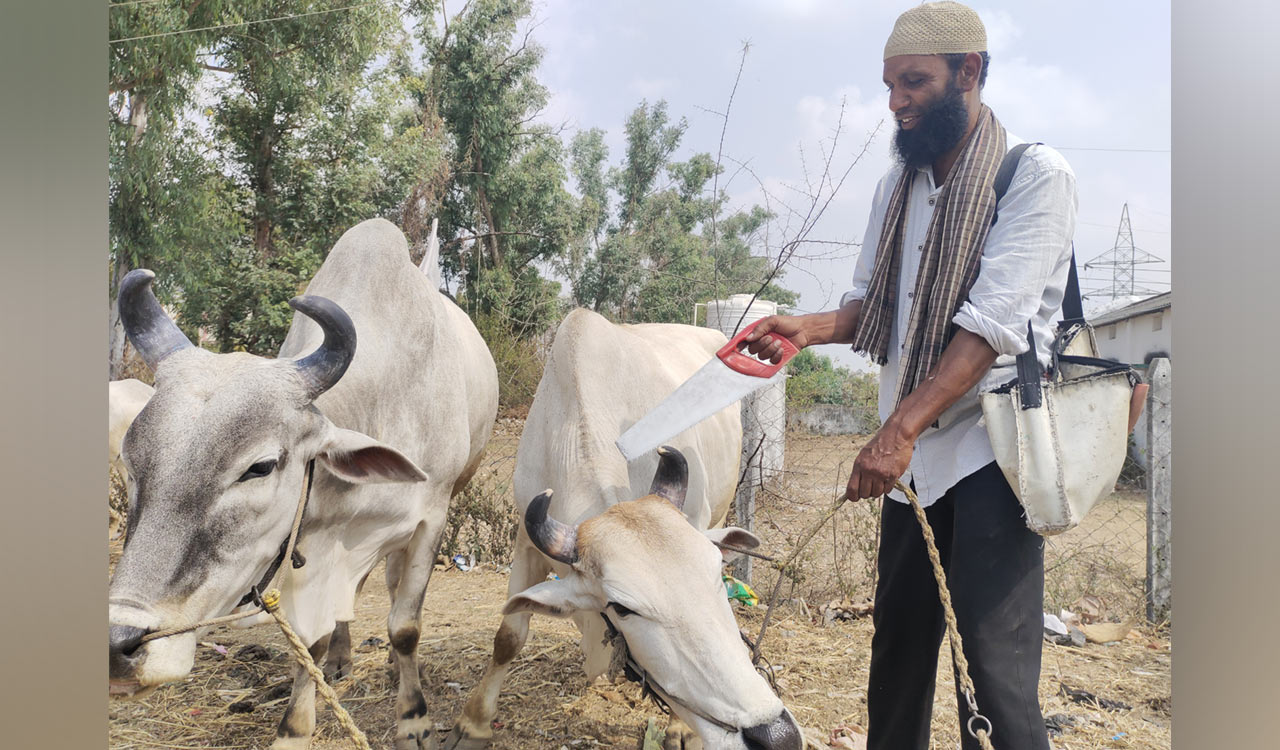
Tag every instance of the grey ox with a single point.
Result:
(395, 426)
(654, 572)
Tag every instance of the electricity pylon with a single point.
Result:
(1123, 259)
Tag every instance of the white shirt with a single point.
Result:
(1022, 276)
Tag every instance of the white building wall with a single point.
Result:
(1134, 340)
(1135, 337)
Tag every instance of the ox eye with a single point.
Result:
(621, 610)
(260, 469)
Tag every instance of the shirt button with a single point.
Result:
(910, 295)
(920, 247)
(931, 201)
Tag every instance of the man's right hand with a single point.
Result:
(767, 347)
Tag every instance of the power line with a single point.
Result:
(1108, 226)
(241, 23)
(134, 2)
(1134, 150)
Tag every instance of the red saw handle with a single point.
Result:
(749, 365)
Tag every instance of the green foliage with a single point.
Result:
(519, 360)
(504, 211)
(242, 296)
(667, 247)
(814, 379)
(235, 194)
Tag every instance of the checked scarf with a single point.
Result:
(949, 263)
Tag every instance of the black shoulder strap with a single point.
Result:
(1072, 305)
(1005, 175)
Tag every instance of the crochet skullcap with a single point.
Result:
(940, 28)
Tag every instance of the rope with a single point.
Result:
(982, 730)
(271, 602)
(983, 735)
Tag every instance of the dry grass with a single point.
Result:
(547, 703)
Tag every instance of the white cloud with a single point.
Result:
(1039, 101)
(649, 88)
(1001, 30)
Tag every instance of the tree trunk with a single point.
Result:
(116, 340)
(115, 327)
(266, 189)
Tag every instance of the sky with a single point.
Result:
(1089, 78)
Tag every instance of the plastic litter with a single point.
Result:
(461, 563)
(739, 591)
(1054, 625)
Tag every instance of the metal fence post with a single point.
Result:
(1159, 475)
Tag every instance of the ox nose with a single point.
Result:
(123, 642)
(779, 734)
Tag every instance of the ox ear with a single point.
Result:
(559, 598)
(359, 459)
(733, 537)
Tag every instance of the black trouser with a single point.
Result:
(995, 570)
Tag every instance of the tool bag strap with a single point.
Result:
(1072, 305)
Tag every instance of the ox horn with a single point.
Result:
(150, 329)
(326, 365)
(671, 480)
(556, 540)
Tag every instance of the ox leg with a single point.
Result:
(299, 722)
(413, 571)
(475, 727)
(338, 663)
(395, 564)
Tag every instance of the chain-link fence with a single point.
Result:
(1099, 567)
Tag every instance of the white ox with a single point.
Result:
(395, 426)
(125, 398)
(653, 572)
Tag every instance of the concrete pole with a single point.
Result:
(1159, 490)
(750, 473)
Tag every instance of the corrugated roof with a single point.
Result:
(1141, 307)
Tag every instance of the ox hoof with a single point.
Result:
(336, 669)
(423, 740)
(456, 740)
(680, 737)
(291, 743)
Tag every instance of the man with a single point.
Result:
(941, 299)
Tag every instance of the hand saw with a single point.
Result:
(728, 377)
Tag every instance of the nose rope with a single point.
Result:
(287, 550)
(621, 662)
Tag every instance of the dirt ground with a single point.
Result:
(820, 669)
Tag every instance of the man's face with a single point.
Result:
(928, 106)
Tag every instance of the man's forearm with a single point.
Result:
(964, 362)
(835, 326)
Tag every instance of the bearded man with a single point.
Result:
(942, 297)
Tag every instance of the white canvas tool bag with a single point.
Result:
(1060, 437)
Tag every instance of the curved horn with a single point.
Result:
(556, 540)
(325, 366)
(671, 480)
(150, 329)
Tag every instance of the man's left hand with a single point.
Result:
(881, 462)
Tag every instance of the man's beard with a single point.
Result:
(941, 126)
